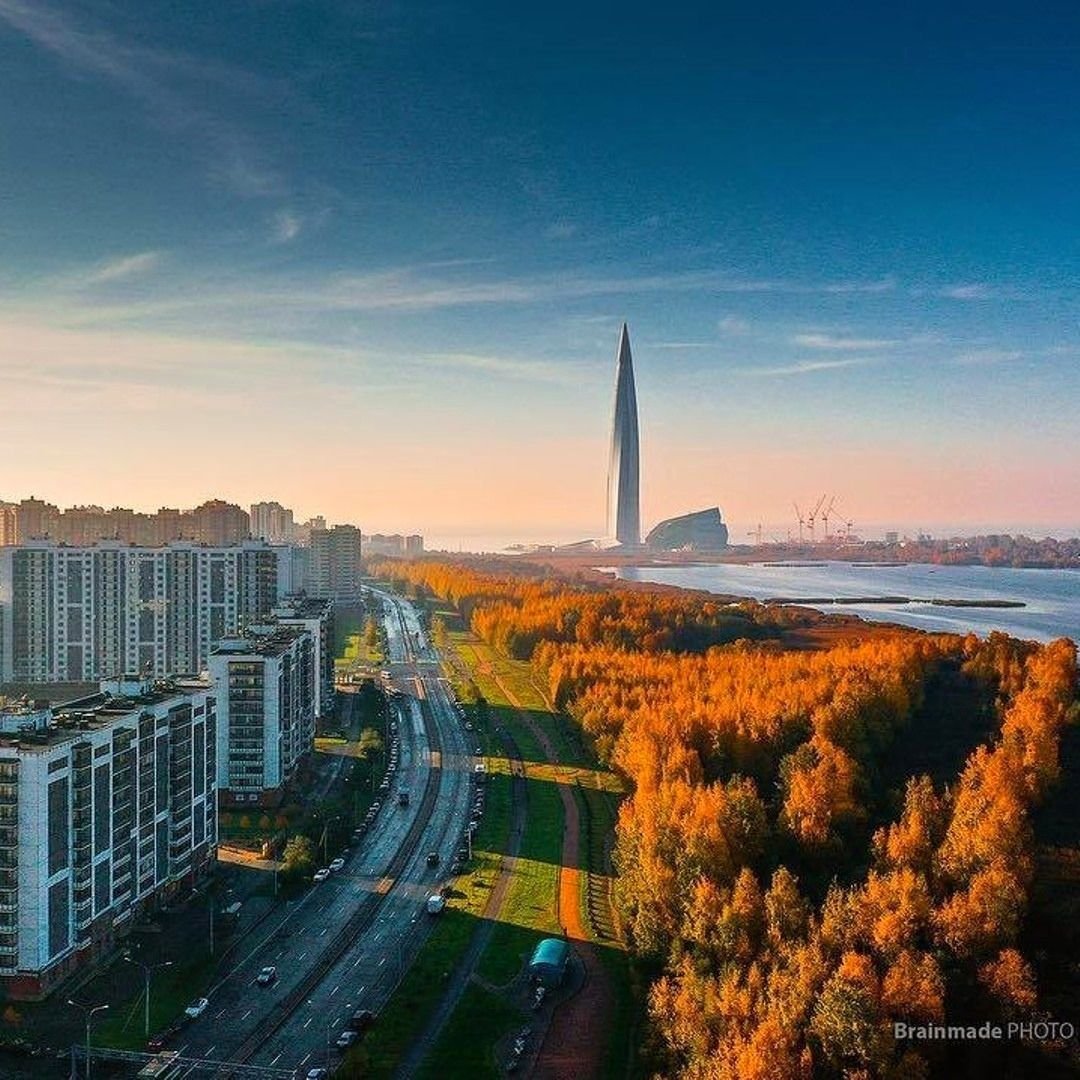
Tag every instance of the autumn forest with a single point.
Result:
(825, 833)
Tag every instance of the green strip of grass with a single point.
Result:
(460, 1052)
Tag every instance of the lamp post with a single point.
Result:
(88, 1011)
(148, 970)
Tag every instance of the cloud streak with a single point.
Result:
(805, 367)
(841, 344)
(182, 94)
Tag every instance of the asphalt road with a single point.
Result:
(366, 973)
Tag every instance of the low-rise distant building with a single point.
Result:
(265, 683)
(703, 530)
(108, 808)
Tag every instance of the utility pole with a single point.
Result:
(148, 970)
(88, 1011)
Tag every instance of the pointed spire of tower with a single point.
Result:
(624, 521)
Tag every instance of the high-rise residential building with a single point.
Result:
(8, 531)
(217, 523)
(77, 614)
(335, 561)
(414, 545)
(272, 522)
(302, 533)
(108, 808)
(624, 514)
(265, 682)
(316, 615)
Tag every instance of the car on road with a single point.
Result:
(336, 865)
(361, 1020)
(403, 798)
(317, 1074)
(433, 858)
(468, 725)
(267, 976)
(196, 1008)
(321, 875)
(346, 1039)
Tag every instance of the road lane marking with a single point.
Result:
(335, 990)
(308, 1021)
(302, 955)
(304, 1058)
(210, 1051)
(277, 1059)
(382, 961)
(247, 1014)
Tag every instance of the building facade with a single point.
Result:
(77, 614)
(316, 616)
(272, 522)
(336, 568)
(265, 684)
(108, 808)
(214, 522)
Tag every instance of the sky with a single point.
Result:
(370, 259)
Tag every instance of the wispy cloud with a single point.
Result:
(121, 268)
(971, 291)
(882, 285)
(681, 345)
(509, 366)
(733, 326)
(181, 93)
(841, 344)
(286, 226)
(979, 357)
(806, 367)
(561, 230)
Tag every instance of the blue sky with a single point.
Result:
(371, 259)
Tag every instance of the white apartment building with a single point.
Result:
(316, 615)
(77, 614)
(108, 807)
(265, 686)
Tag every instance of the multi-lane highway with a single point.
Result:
(344, 945)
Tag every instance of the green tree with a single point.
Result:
(299, 857)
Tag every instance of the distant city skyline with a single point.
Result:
(370, 262)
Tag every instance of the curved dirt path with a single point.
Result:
(571, 1049)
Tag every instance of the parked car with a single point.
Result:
(267, 976)
(196, 1008)
(336, 865)
(321, 875)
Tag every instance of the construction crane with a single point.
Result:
(825, 515)
(799, 518)
(810, 518)
(756, 533)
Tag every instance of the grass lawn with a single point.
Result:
(460, 1053)
(173, 989)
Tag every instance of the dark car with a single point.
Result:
(361, 1020)
(433, 858)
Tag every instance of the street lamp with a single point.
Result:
(88, 1011)
(148, 969)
